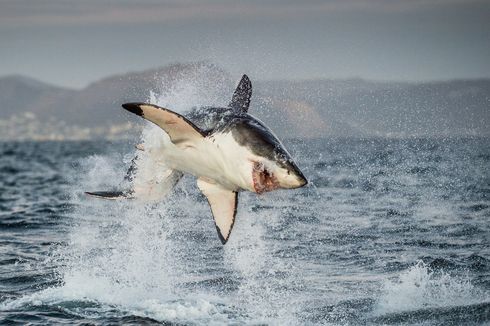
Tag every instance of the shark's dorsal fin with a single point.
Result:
(241, 98)
(223, 204)
(179, 129)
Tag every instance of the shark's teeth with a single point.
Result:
(263, 179)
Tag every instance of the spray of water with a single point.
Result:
(152, 259)
(419, 287)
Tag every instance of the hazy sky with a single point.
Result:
(75, 42)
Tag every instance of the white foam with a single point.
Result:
(131, 300)
(420, 288)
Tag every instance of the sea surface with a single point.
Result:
(388, 232)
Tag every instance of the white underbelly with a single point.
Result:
(221, 160)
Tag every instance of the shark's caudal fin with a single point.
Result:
(180, 130)
(147, 190)
(119, 194)
(241, 97)
(223, 204)
(113, 195)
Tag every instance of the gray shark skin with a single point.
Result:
(225, 148)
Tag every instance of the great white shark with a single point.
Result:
(225, 148)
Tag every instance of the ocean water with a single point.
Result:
(389, 231)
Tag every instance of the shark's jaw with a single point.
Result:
(263, 179)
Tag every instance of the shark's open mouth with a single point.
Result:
(263, 179)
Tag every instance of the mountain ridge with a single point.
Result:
(32, 109)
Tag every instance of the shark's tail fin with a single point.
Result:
(150, 189)
(119, 194)
(113, 195)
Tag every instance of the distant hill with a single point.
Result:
(20, 94)
(30, 109)
(364, 108)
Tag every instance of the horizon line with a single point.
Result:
(298, 79)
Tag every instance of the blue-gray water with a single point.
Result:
(387, 232)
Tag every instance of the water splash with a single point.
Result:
(421, 288)
(141, 259)
(266, 288)
(202, 86)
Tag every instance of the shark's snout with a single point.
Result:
(301, 179)
(290, 178)
(298, 180)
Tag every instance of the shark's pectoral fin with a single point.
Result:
(181, 131)
(223, 204)
(241, 97)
